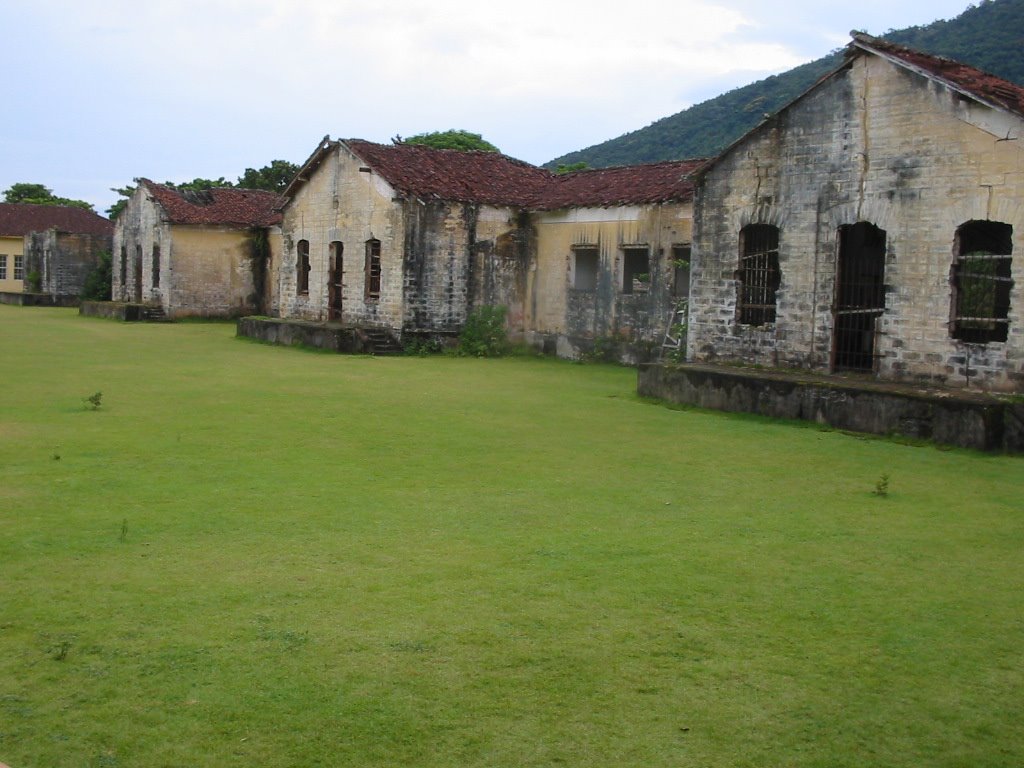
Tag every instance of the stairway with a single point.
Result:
(154, 313)
(380, 341)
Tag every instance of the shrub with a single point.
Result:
(98, 282)
(484, 333)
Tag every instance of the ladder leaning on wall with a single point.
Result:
(675, 331)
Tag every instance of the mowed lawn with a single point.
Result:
(251, 555)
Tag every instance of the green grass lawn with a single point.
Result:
(251, 555)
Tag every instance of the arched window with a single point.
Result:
(302, 268)
(981, 281)
(758, 276)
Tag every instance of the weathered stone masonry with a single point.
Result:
(878, 143)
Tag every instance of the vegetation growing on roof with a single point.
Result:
(464, 141)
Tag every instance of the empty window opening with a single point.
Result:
(758, 277)
(302, 268)
(124, 268)
(372, 269)
(982, 282)
(681, 271)
(137, 271)
(859, 296)
(335, 284)
(584, 268)
(636, 270)
(156, 266)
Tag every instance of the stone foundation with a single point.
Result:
(38, 299)
(951, 417)
(303, 333)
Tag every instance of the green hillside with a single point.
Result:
(989, 36)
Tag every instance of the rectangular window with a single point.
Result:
(758, 277)
(982, 282)
(156, 266)
(681, 271)
(636, 269)
(373, 269)
(124, 268)
(584, 268)
(19, 267)
(3, 266)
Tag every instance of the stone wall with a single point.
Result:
(299, 333)
(340, 203)
(188, 270)
(968, 420)
(112, 310)
(570, 319)
(879, 144)
(63, 260)
(37, 299)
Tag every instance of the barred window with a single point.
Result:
(758, 276)
(3, 266)
(981, 282)
(372, 269)
(19, 267)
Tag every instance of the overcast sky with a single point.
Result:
(101, 91)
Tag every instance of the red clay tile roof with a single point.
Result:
(624, 185)
(229, 205)
(988, 88)
(496, 179)
(447, 174)
(18, 219)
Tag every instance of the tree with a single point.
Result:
(464, 141)
(273, 178)
(99, 280)
(118, 206)
(38, 194)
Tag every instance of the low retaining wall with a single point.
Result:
(114, 310)
(960, 418)
(38, 299)
(301, 333)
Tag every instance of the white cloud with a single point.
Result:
(181, 88)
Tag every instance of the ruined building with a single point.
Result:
(870, 226)
(412, 239)
(195, 253)
(49, 249)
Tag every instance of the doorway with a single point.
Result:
(859, 296)
(335, 283)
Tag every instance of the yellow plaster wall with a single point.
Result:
(11, 247)
(210, 271)
(660, 227)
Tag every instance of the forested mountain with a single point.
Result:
(989, 36)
